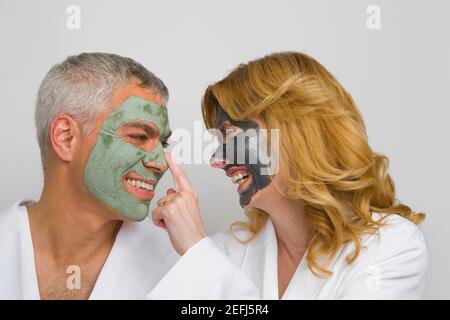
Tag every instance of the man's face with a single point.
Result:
(127, 160)
(244, 162)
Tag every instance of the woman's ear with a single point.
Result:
(65, 133)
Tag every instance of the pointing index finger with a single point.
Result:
(180, 178)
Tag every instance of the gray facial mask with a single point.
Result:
(234, 157)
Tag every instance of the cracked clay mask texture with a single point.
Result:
(112, 158)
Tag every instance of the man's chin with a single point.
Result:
(138, 218)
(135, 216)
(132, 209)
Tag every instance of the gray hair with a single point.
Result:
(82, 87)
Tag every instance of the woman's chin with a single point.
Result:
(261, 199)
(253, 203)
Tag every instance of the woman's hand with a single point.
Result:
(178, 211)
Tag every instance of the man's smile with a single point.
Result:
(139, 187)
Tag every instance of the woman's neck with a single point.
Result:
(291, 225)
(292, 229)
(293, 233)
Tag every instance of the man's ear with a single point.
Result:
(65, 133)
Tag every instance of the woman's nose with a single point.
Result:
(218, 163)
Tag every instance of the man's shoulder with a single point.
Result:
(10, 251)
(10, 223)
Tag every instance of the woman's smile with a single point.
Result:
(240, 176)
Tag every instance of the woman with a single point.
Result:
(325, 226)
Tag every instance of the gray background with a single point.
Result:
(399, 76)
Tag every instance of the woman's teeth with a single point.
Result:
(140, 184)
(239, 178)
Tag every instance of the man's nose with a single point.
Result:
(156, 167)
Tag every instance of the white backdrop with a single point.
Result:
(399, 75)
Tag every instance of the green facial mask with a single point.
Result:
(112, 158)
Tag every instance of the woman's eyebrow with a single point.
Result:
(225, 125)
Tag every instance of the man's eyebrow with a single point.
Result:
(139, 125)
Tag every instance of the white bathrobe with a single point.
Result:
(391, 266)
(141, 255)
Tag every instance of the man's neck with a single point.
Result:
(67, 228)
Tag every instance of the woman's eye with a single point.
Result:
(140, 137)
(231, 133)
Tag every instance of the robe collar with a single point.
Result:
(261, 265)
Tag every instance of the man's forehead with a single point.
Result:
(137, 101)
(138, 109)
(134, 88)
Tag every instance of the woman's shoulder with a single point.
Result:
(396, 229)
(391, 264)
(397, 236)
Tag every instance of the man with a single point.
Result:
(102, 127)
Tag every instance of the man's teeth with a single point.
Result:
(140, 184)
(239, 178)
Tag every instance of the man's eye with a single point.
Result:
(140, 137)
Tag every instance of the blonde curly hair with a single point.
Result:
(325, 157)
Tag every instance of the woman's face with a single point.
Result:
(244, 160)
